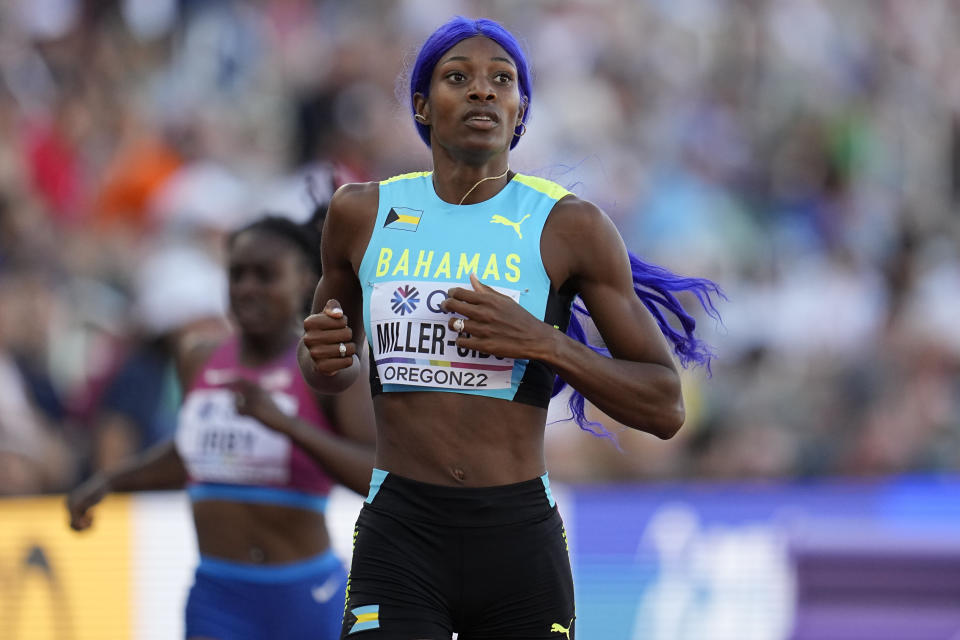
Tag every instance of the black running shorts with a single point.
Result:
(488, 563)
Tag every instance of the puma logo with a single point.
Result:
(559, 628)
(498, 219)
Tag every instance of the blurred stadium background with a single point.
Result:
(805, 154)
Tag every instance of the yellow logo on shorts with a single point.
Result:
(559, 628)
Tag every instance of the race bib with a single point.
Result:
(219, 445)
(412, 344)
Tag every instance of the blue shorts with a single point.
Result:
(297, 601)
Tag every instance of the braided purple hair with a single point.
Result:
(656, 287)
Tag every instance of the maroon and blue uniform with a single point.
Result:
(236, 458)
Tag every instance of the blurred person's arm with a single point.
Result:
(158, 468)
(347, 453)
(115, 439)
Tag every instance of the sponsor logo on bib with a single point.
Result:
(413, 346)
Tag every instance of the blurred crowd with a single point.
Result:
(804, 154)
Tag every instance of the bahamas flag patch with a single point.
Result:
(403, 218)
(368, 617)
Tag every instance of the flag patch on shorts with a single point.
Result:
(368, 617)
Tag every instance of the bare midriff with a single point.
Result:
(259, 533)
(459, 440)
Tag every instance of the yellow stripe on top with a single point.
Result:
(547, 187)
(406, 176)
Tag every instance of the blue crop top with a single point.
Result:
(422, 246)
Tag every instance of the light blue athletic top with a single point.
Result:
(422, 246)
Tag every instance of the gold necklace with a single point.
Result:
(482, 180)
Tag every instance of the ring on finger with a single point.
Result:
(342, 349)
(458, 325)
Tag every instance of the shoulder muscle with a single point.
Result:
(349, 221)
(579, 242)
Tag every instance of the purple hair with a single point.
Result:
(656, 287)
(443, 39)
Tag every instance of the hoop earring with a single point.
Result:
(523, 130)
(420, 118)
